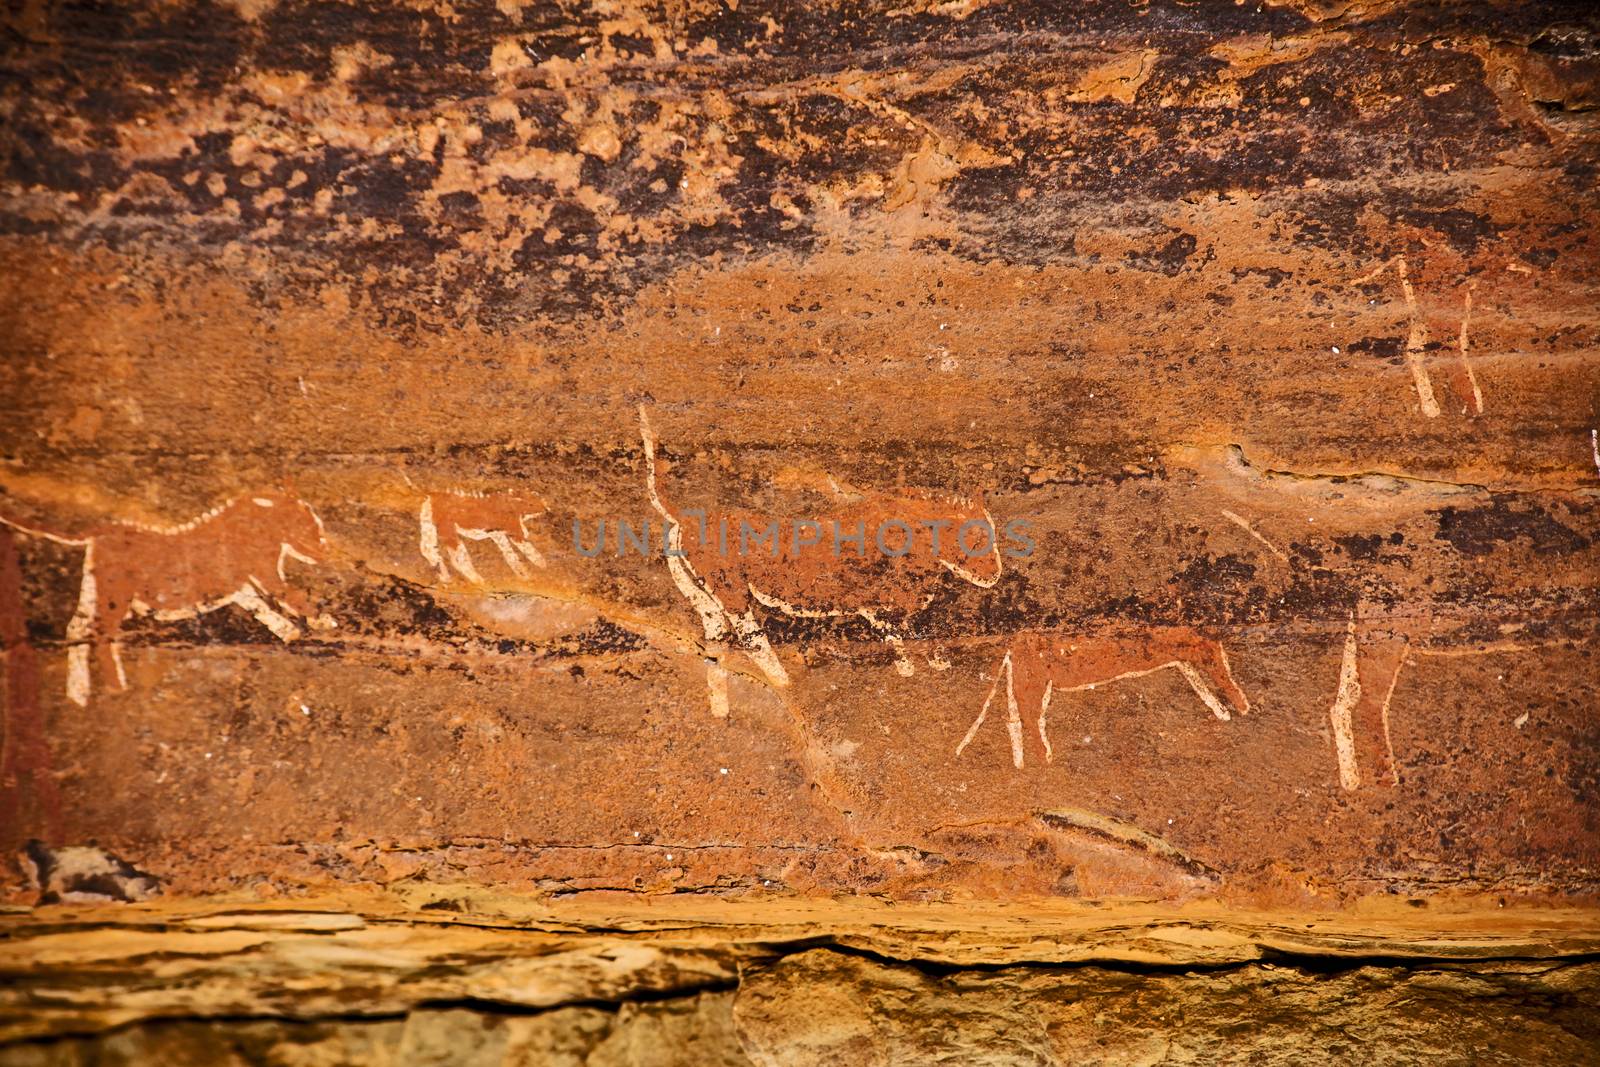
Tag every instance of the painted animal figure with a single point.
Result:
(1421, 344)
(1375, 651)
(233, 554)
(449, 520)
(817, 567)
(1038, 665)
(1373, 656)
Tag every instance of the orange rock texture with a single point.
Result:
(965, 455)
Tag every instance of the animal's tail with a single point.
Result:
(48, 535)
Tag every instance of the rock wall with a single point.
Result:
(823, 1008)
(1111, 452)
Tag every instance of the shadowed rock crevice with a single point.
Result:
(824, 1006)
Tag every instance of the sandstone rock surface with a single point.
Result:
(1261, 336)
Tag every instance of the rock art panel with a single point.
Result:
(1064, 453)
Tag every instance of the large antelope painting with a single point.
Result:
(817, 579)
(233, 554)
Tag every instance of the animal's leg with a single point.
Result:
(92, 647)
(1344, 702)
(1379, 669)
(428, 542)
(1417, 345)
(1360, 712)
(297, 603)
(1044, 710)
(114, 649)
(286, 595)
(759, 649)
(1004, 670)
(508, 552)
(714, 623)
(1013, 717)
(252, 601)
(527, 548)
(717, 688)
(1198, 684)
(294, 602)
(1207, 669)
(1222, 675)
(1024, 673)
(902, 665)
(111, 609)
(78, 686)
(713, 619)
(293, 599)
(286, 551)
(1029, 686)
(1462, 378)
(463, 563)
(80, 632)
(108, 652)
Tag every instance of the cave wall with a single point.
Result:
(1261, 336)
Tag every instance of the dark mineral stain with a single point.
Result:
(1478, 531)
(1386, 348)
(602, 638)
(1169, 259)
(1357, 546)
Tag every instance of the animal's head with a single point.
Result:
(1232, 696)
(970, 545)
(283, 516)
(530, 508)
(1204, 663)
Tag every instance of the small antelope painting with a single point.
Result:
(447, 521)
